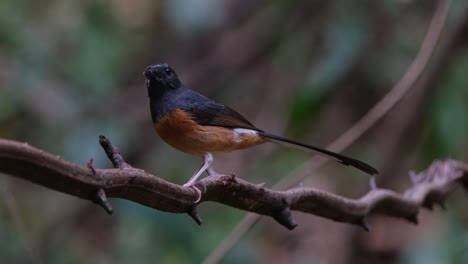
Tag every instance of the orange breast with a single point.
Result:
(180, 131)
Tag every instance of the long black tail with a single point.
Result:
(338, 157)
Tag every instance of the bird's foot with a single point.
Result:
(195, 188)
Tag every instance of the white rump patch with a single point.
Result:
(240, 133)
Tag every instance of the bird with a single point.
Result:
(200, 126)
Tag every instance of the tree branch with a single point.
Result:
(24, 161)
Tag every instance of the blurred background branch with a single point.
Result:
(376, 113)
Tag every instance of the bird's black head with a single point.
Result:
(161, 77)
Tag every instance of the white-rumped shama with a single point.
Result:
(195, 124)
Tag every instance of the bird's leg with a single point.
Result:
(206, 164)
(207, 160)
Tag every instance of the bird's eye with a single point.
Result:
(168, 71)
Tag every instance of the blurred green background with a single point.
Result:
(72, 70)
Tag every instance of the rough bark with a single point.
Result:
(24, 161)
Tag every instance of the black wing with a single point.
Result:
(207, 112)
(214, 114)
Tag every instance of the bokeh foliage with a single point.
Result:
(71, 70)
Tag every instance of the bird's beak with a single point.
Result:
(148, 74)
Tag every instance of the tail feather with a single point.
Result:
(338, 157)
